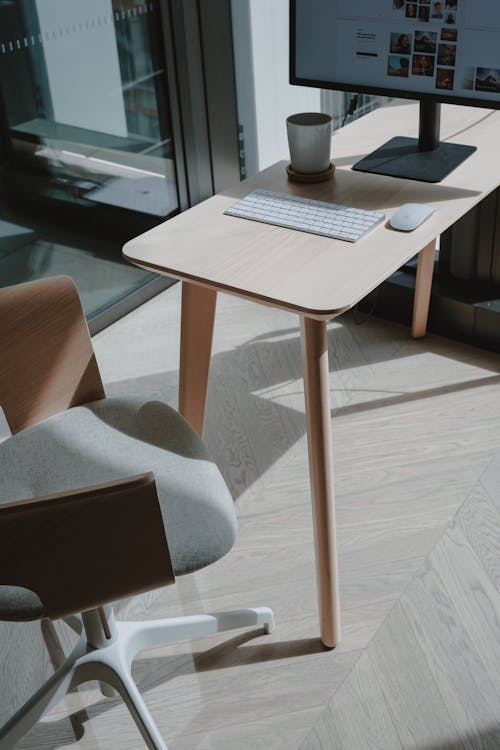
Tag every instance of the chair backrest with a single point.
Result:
(47, 362)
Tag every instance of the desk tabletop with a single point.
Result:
(318, 276)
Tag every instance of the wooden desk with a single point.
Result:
(316, 277)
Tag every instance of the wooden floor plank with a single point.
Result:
(479, 521)
(359, 717)
(437, 653)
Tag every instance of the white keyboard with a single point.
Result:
(306, 215)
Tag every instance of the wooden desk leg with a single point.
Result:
(197, 326)
(423, 286)
(319, 438)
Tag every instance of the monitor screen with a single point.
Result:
(448, 49)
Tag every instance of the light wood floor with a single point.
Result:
(416, 426)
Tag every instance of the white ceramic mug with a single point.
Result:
(309, 140)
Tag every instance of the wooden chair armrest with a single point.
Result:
(83, 548)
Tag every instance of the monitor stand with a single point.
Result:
(427, 159)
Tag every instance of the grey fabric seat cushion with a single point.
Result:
(117, 438)
(18, 603)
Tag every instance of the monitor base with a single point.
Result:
(401, 157)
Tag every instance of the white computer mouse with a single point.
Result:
(409, 216)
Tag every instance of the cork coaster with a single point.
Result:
(310, 177)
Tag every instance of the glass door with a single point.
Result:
(87, 148)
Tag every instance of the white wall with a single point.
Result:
(82, 64)
(265, 98)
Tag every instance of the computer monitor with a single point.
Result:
(432, 50)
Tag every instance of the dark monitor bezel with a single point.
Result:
(398, 93)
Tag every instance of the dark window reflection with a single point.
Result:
(84, 91)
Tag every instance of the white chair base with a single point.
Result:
(105, 651)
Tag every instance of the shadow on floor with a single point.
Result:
(52, 735)
(487, 739)
(256, 396)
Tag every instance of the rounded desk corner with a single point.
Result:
(126, 251)
(323, 314)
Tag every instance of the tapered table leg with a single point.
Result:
(197, 325)
(319, 436)
(423, 286)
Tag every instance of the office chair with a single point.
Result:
(91, 489)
